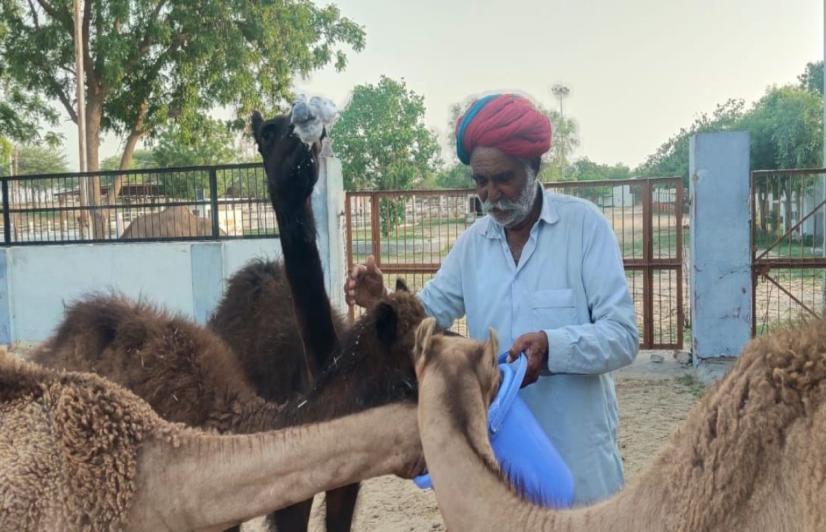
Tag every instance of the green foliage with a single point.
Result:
(150, 63)
(140, 159)
(565, 142)
(586, 170)
(812, 77)
(382, 140)
(453, 176)
(34, 159)
(786, 127)
(204, 142)
(21, 113)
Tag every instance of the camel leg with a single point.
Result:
(291, 519)
(341, 504)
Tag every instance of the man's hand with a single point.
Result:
(535, 347)
(365, 284)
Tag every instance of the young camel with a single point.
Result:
(750, 456)
(78, 452)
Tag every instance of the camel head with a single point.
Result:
(291, 165)
(374, 357)
(458, 357)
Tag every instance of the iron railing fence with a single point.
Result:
(157, 204)
(410, 233)
(788, 237)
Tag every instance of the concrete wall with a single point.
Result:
(187, 277)
(183, 277)
(720, 273)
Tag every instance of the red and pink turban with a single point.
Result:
(508, 122)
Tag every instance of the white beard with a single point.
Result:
(512, 213)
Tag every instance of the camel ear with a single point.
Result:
(491, 346)
(386, 323)
(401, 285)
(424, 337)
(256, 121)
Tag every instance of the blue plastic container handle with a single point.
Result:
(523, 450)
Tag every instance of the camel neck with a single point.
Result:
(305, 275)
(200, 481)
(460, 461)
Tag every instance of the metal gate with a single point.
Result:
(410, 232)
(788, 252)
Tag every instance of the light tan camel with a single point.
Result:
(78, 452)
(750, 456)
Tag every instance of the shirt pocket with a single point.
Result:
(553, 308)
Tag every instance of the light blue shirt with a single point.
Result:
(570, 284)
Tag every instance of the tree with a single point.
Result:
(456, 175)
(384, 144)
(207, 142)
(565, 140)
(34, 159)
(149, 63)
(586, 170)
(812, 77)
(21, 113)
(786, 128)
(382, 140)
(140, 159)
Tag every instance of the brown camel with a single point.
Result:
(78, 452)
(750, 456)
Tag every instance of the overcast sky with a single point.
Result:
(638, 70)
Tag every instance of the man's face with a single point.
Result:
(502, 182)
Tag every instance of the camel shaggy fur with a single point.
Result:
(78, 452)
(750, 456)
(189, 375)
(256, 319)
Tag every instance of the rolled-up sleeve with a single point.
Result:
(442, 296)
(611, 340)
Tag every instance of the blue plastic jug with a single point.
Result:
(526, 456)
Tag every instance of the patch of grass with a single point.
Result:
(692, 383)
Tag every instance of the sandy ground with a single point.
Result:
(654, 397)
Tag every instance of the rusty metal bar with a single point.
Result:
(788, 172)
(791, 296)
(678, 219)
(348, 223)
(375, 229)
(648, 273)
(791, 230)
(802, 263)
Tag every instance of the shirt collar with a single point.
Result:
(548, 214)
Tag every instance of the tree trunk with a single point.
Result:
(94, 112)
(125, 163)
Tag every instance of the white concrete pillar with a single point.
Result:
(720, 270)
(328, 208)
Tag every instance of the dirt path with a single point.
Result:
(653, 400)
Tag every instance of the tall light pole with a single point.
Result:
(81, 116)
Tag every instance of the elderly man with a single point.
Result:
(544, 270)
